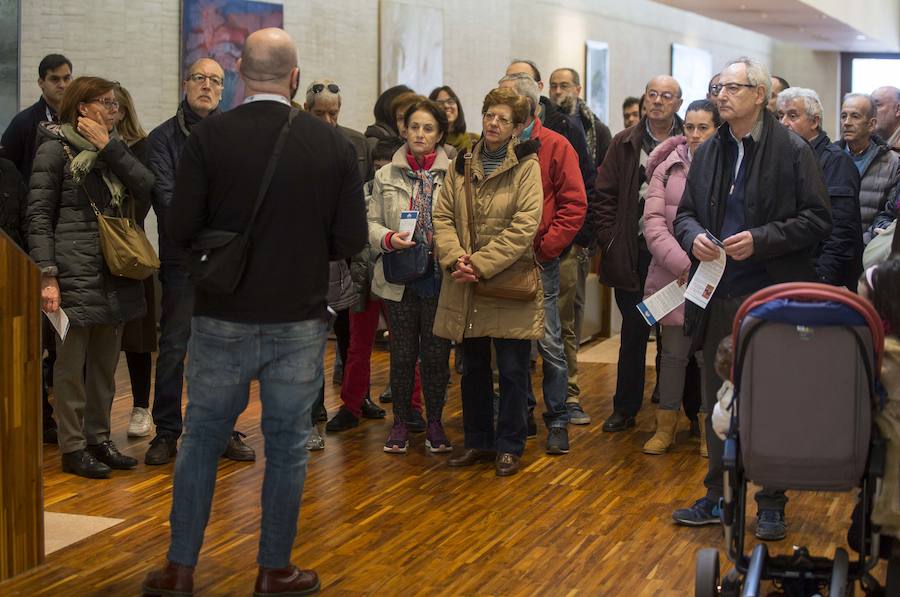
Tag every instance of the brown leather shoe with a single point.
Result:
(237, 449)
(285, 581)
(507, 464)
(174, 580)
(470, 457)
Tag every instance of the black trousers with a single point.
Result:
(633, 348)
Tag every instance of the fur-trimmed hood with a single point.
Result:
(664, 151)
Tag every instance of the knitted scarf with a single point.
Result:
(88, 159)
(590, 129)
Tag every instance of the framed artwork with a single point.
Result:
(217, 29)
(692, 68)
(412, 47)
(9, 61)
(596, 78)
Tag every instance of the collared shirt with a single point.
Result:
(755, 133)
(653, 140)
(267, 97)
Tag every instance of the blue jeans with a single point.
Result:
(175, 332)
(553, 352)
(225, 356)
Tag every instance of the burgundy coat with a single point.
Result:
(667, 168)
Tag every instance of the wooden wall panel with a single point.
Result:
(21, 456)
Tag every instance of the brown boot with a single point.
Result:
(701, 418)
(174, 580)
(470, 457)
(666, 423)
(285, 581)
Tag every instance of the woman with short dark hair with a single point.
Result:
(82, 164)
(446, 98)
(405, 189)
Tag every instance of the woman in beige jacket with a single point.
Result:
(507, 199)
(409, 185)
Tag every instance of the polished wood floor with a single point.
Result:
(593, 522)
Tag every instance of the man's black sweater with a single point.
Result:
(314, 211)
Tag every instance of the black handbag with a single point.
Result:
(407, 265)
(217, 258)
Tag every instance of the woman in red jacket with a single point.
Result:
(667, 169)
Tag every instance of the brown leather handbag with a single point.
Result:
(521, 281)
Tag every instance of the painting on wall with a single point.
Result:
(412, 47)
(9, 61)
(596, 84)
(217, 29)
(692, 68)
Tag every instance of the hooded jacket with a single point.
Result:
(667, 169)
(63, 236)
(507, 212)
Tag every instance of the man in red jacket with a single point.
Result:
(565, 204)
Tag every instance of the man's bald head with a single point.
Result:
(664, 82)
(887, 111)
(269, 55)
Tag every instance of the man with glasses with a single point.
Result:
(203, 85)
(758, 188)
(323, 100)
(713, 89)
(621, 185)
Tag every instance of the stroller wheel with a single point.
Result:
(706, 581)
(839, 586)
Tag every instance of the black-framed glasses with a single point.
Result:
(320, 87)
(200, 79)
(732, 88)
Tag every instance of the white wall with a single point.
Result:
(814, 70)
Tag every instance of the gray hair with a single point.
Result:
(311, 97)
(757, 73)
(526, 87)
(534, 68)
(867, 97)
(811, 102)
(576, 80)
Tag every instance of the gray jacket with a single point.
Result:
(880, 184)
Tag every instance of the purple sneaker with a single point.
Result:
(398, 441)
(435, 438)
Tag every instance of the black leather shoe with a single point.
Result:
(162, 450)
(342, 421)
(506, 465)
(83, 464)
(385, 397)
(50, 436)
(471, 456)
(417, 424)
(237, 449)
(109, 454)
(617, 422)
(370, 410)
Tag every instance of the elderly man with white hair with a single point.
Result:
(758, 188)
(839, 257)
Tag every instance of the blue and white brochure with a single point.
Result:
(408, 222)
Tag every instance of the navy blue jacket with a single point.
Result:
(166, 144)
(839, 257)
(19, 140)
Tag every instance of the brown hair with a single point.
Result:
(404, 101)
(129, 127)
(519, 105)
(81, 90)
(725, 357)
(426, 105)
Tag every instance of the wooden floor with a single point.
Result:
(594, 522)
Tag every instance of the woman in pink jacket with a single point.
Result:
(667, 169)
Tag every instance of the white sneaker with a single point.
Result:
(140, 424)
(316, 440)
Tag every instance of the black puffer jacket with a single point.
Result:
(63, 236)
(12, 203)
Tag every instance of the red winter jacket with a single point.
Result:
(565, 200)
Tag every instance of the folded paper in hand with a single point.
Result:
(60, 322)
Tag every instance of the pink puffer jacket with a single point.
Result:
(667, 168)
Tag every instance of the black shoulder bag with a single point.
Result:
(217, 258)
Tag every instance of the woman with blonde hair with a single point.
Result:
(139, 336)
(502, 182)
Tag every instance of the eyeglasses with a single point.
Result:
(733, 88)
(715, 89)
(446, 102)
(320, 87)
(109, 104)
(667, 96)
(491, 117)
(200, 79)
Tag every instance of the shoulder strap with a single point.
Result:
(470, 207)
(270, 168)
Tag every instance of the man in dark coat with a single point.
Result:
(19, 140)
(839, 257)
(13, 201)
(757, 187)
(272, 327)
(203, 83)
(618, 216)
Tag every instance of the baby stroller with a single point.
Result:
(802, 423)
